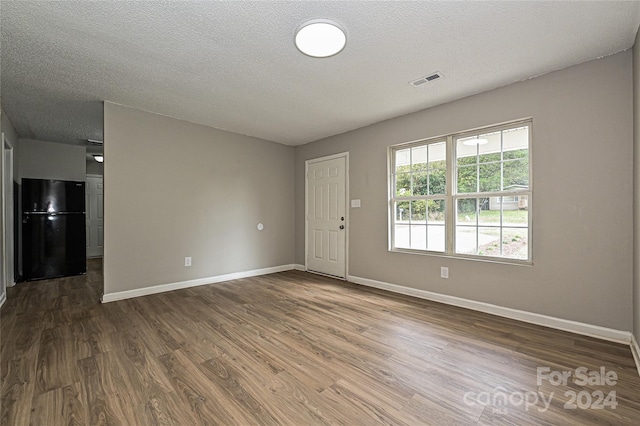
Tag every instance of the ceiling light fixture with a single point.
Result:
(95, 141)
(98, 158)
(474, 142)
(320, 38)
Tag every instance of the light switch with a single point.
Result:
(355, 203)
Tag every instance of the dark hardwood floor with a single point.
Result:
(294, 349)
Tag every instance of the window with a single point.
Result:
(466, 194)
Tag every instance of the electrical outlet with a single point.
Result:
(187, 261)
(444, 272)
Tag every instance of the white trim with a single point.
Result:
(328, 157)
(3, 223)
(596, 331)
(7, 157)
(128, 294)
(635, 351)
(347, 206)
(3, 298)
(299, 267)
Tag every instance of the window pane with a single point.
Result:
(403, 160)
(489, 241)
(437, 152)
(488, 216)
(466, 242)
(495, 205)
(418, 211)
(436, 213)
(517, 154)
(437, 168)
(402, 236)
(419, 157)
(490, 158)
(466, 212)
(491, 149)
(515, 243)
(489, 177)
(516, 174)
(436, 238)
(437, 178)
(515, 139)
(402, 211)
(419, 237)
(403, 185)
(420, 182)
(515, 212)
(467, 179)
(466, 151)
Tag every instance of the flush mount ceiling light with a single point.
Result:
(98, 158)
(320, 38)
(474, 142)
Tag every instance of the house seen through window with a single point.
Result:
(465, 194)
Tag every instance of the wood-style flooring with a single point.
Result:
(292, 349)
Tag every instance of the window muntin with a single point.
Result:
(481, 210)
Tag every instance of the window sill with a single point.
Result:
(484, 259)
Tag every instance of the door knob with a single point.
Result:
(341, 226)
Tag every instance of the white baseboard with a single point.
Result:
(128, 294)
(3, 298)
(299, 267)
(635, 350)
(604, 333)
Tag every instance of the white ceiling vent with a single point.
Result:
(426, 79)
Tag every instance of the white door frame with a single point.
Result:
(347, 205)
(8, 253)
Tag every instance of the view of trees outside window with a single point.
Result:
(490, 196)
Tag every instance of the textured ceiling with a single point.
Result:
(233, 65)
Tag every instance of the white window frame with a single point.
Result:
(451, 195)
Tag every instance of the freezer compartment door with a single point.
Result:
(52, 196)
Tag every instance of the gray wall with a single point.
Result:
(176, 189)
(49, 160)
(582, 200)
(636, 188)
(94, 168)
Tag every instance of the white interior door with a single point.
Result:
(95, 216)
(326, 216)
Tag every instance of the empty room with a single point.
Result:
(320, 212)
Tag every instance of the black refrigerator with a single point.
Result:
(53, 229)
